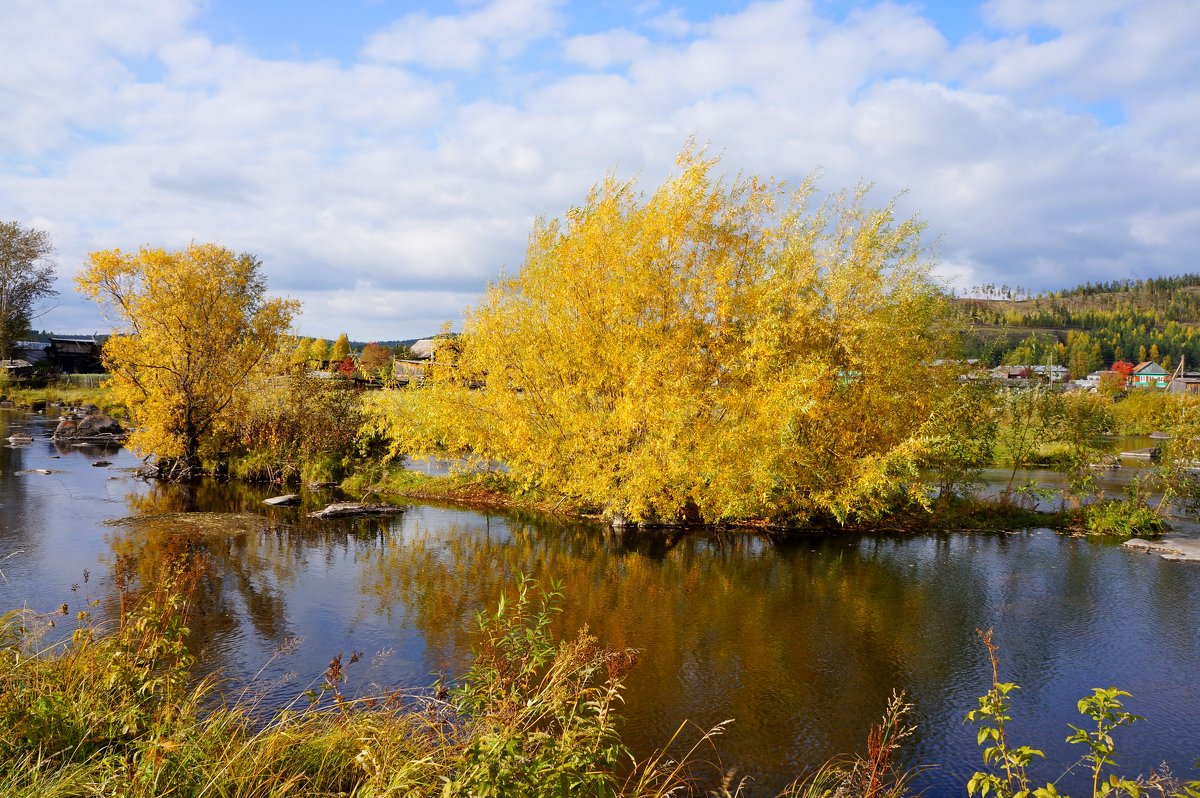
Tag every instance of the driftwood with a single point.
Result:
(350, 509)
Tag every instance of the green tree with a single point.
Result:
(1035, 350)
(192, 327)
(1083, 355)
(1081, 422)
(710, 351)
(26, 278)
(1026, 418)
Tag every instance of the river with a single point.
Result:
(799, 642)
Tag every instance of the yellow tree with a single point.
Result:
(711, 351)
(302, 353)
(319, 351)
(341, 348)
(190, 328)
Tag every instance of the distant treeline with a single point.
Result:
(1089, 326)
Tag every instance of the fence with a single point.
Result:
(81, 380)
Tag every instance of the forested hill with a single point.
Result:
(1089, 326)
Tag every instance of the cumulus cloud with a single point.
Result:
(502, 28)
(387, 188)
(602, 50)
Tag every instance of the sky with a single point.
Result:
(387, 159)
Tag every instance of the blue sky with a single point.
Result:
(386, 159)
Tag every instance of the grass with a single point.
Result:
(61, 392)
(473, 489)
(116, 713)
(1127, 517)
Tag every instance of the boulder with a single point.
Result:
(96, 426)
(286, 500)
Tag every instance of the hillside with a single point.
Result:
(1089, 326)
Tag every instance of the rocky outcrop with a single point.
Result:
(93, 428)
(1169, 548)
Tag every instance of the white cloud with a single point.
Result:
(463, 41)
(602, 50)
(670, 23)
(1116, 49)
(385, 203)
(1017, 15)
(63, 68)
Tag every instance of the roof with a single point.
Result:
(1149, 367)
(423, 349)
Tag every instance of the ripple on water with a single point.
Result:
(801, 643)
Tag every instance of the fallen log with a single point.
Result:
(349, 509)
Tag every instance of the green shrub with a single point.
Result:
(1146, 410)
(1006, 774)
(293, 427)
(1128, 517)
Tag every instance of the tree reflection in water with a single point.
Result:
(801, 642)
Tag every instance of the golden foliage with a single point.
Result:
(194, 325)
(711, 351)
(341, 348)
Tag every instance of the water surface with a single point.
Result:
(800, 642)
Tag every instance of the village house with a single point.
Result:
(33, 352)
(16, 369)
(1149, 374)
(76, 355)
(1052, 374)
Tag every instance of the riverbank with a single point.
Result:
(494, 490)
(118, 712)
(800, 639)
(59, 396)
(310, 431)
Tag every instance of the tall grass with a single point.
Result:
(117, 712)
(63, 392)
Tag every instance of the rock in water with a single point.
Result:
(94, 427)
(286, 500)
(349, 509)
